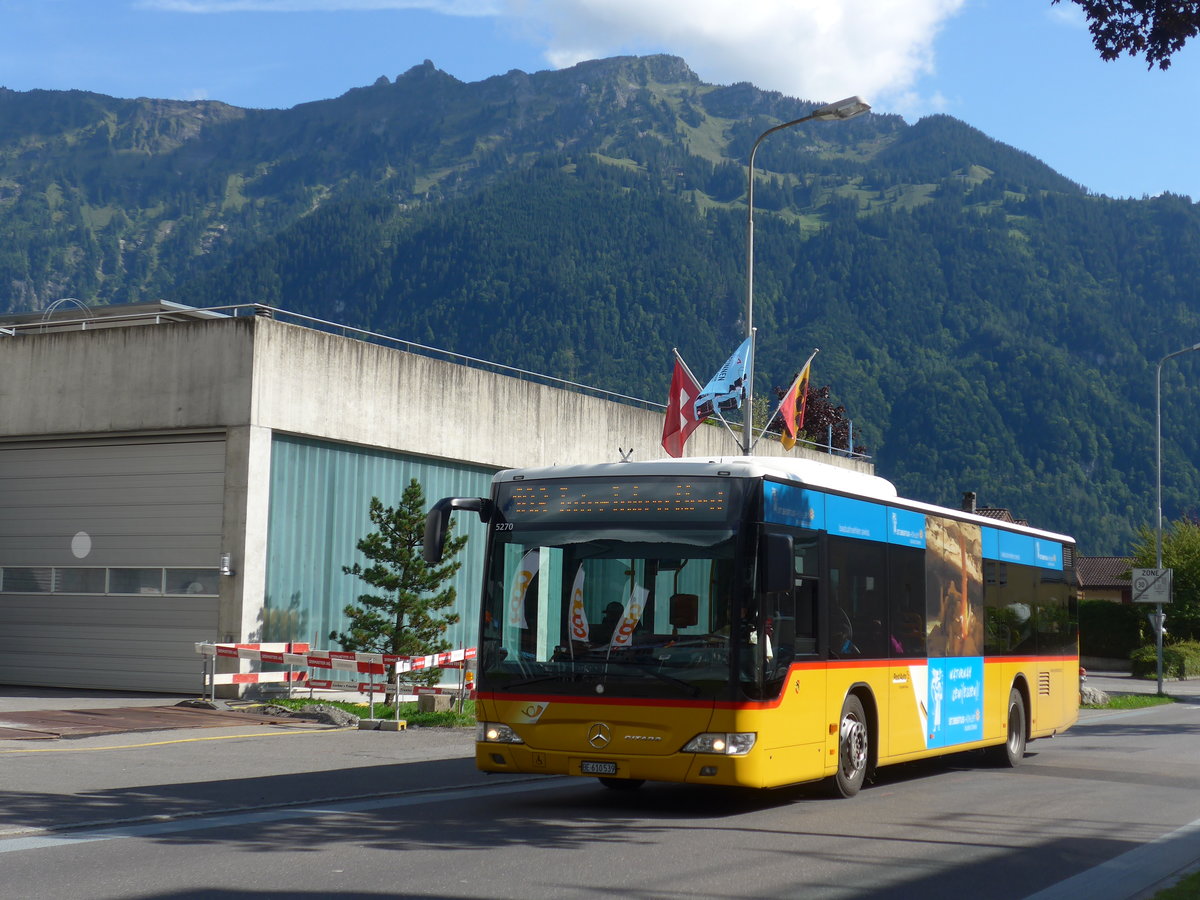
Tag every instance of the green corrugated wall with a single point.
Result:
(320, 493)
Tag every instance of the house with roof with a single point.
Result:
(1104, 578)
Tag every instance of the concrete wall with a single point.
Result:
(229, 373)
(312, 383)
(137, 379)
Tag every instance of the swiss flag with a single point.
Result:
(681, 418)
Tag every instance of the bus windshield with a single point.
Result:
(632, 600)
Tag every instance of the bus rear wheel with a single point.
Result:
(1012, 751)
(854, 745)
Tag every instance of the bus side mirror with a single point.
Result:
(437, 521)
(778, 572)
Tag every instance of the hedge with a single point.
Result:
(1109, 629)
(1180, 660)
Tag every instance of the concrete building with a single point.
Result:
(170, 475)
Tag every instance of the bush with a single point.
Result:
(1108, 629)
(1180, 660)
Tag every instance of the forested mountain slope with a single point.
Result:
(987, 323)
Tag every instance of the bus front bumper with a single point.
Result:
(694, 768)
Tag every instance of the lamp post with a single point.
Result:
(1158, 517)
(842, 109)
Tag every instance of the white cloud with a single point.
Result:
(811, 49)
(1067, 13)
(912, 105)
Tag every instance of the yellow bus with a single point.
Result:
(758, 622)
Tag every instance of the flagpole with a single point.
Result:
(716, 409)
(843, 109)
(724, 422)
(675, 350)
(779, 407)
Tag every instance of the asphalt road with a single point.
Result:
(1102, 812)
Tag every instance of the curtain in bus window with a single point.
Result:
(954, 587)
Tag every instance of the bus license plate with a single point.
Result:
(594, 767)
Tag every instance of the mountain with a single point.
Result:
(988, 324)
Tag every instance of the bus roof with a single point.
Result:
(803, 471)
(808, 472)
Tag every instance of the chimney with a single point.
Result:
(968, 503)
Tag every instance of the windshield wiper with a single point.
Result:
(564, 677)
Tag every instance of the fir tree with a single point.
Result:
(404, 614)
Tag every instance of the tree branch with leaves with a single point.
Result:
(1153, 29)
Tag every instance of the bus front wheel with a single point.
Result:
(1012, 751)
(854, 744)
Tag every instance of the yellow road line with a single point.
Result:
(215, 737)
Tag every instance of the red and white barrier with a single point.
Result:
(299, 654)
(365, 663)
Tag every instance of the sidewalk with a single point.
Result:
(35, 699)
(33, 713)
(1124, 683)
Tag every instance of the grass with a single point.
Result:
(407, 711)
(1131, 701)
(1187, 889)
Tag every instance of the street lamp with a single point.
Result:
(1158, 518)
(1158, 445)
(842, 109)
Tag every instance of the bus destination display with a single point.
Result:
(657, 499)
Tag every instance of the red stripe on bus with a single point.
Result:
(756, 704)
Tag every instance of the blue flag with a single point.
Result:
(726, 389)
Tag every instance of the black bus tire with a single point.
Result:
(1012, 751)
(854, 749)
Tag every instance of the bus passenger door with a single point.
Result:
(908, 670)
(794, 677)
(908, 693)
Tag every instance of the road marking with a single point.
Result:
(265, 816)
(214, 737)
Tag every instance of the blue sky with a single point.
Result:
(1022, 71)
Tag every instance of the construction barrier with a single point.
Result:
(299, 655)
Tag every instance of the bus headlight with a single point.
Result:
(496, 733)
(732, 744)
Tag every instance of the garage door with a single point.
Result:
(108, 561)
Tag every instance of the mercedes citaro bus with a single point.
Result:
(758, 622)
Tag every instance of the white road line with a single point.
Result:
(234, 820)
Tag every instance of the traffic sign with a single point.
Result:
(1151, 585)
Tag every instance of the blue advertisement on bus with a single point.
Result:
(955, 701)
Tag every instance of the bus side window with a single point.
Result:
(906, 601)
(858, 600)
(806, 616)
(805, 574)
(790, 617)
